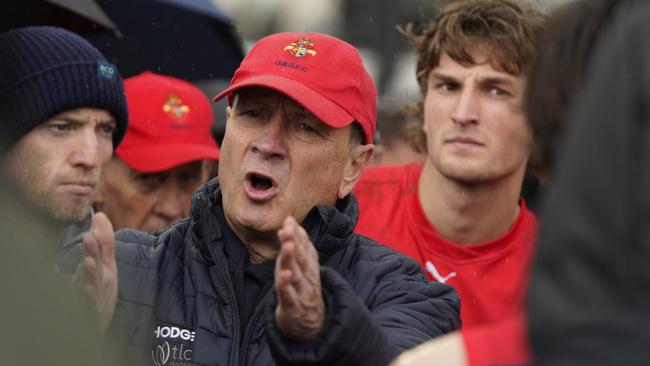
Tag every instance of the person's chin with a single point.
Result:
(258, 218)
(71, 214)
(459, 172)
(151, 228)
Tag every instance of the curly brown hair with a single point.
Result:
(505, 30)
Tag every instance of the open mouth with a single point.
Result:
(260, 182)
(259, 187)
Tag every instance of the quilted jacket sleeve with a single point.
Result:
(137, 260)
(376, 308)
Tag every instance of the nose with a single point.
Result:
(171, 203)
(465, 110)
(270, 143)
(85, 151)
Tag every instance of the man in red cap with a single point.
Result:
(166, 155)
(266, 269)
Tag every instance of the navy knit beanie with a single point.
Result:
(45, 71)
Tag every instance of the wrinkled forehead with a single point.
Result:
(261, 95)
(270, 99)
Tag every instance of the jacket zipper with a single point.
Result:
(252, 322)
(236, 332)
(235, 308)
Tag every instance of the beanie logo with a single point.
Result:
(106, 70)
(174, 107)
(301, 48)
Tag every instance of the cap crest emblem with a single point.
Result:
(174, 106)
(301, 48)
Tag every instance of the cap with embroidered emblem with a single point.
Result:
(322, 73)
(171, 122)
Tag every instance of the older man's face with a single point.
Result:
(148, 201)
(58, 164)
(277, 160)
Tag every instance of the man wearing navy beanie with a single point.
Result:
(62, 112)
(47, 71)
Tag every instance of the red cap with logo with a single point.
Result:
(320, 72)
(170, 124)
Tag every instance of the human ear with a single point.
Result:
(358, 160)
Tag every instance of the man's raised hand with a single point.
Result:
(96, 274)
(300, 313)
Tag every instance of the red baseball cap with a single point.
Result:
(169, 124)
(320, 72)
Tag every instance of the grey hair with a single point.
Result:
(356, 136)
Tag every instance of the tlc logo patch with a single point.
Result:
(172, 346)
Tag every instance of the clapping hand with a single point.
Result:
(300, 313)
(96, 274)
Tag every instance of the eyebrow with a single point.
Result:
(496, 80)
(264, 101)
(81, 121)
(490, 79)
(246, 99)
(443, 77)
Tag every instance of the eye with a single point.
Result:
(189, 177)
(447, 86)
(150, 182)
(306, 127)
(497, 92)
(252, 113)
(189, 181)
(60, 127)
(107, 129)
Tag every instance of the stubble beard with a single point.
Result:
(65, 207)
(464, 174)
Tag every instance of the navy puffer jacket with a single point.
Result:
(177, 304)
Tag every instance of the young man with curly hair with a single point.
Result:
(460, 214)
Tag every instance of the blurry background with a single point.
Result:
(203, 41)
(367, 24)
